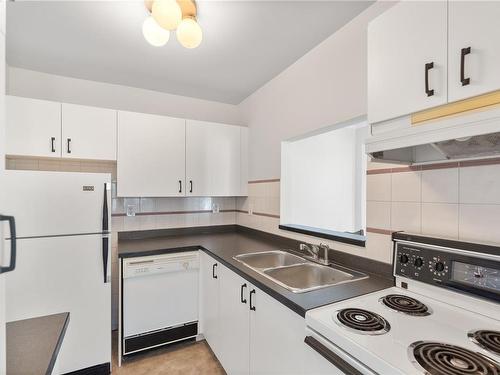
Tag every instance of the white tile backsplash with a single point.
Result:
(379, 187)
(406, 187)
(479, 222)
(440, 219)
(406, 216)
(378, 215)
(440, 185)
(480, 184)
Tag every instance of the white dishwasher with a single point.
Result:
(160, 300)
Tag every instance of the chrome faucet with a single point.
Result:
(314, 251)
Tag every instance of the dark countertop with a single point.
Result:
(33, 344)
(223, 243)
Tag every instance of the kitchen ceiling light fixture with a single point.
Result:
(168, 15)
(155, 34)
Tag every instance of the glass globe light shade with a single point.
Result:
(167, 13)
(189, 33)
(153, 33)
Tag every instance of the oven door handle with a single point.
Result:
(331, 357)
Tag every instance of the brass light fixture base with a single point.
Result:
(188, 7)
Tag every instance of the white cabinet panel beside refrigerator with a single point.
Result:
(63, 247)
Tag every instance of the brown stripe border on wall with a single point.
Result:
(171, 212)
(445, 165)
(264, 181)
(380, 231)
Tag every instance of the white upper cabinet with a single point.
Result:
(407, 59)
(33, 127)
(474, 33)
(88, 132)
(213, 156)
(151, 155)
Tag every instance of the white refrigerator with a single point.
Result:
(62, 264)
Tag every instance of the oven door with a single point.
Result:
(324, 357)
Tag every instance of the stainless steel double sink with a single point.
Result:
(295, 273)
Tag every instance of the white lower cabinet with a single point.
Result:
(234, 316)
(209, 302)
(249, 331)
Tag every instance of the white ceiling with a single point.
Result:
(245, 43)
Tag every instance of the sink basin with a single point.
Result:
(295, 273)
(309, 276)
(269, 259)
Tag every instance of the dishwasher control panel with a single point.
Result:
(157, 264)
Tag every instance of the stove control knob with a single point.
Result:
(419, 262)
(439, 266)
(403, 258)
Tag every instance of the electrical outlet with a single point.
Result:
(215, 208)
(131, 210)
(250, 209)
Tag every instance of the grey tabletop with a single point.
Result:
(33, 344)
(223, 246)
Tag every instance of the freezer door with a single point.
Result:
(65, 274)
(55, 203)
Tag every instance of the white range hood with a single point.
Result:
(475, 134)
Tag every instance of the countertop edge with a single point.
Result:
(271, 292)
(57, 347)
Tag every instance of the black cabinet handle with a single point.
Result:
(428, 67)
(68, 146)
(252, 306)
(13, 245)
(52, 145)
(243, 300)
(465, 52)
(180, 186)
(214, 266)
(331, 357)
(190, 186)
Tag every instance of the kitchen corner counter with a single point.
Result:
(33, 344)
(224, 242)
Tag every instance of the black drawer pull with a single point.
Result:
(464, 52)
(331, 357)
(252, 306)
(180, 186)
(428, 67)
(214, 275)
(52, 145)
(242, 299)
(190, 186)
(68, 148)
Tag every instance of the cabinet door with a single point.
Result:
(244, 162)
(209, 302)
(88, 132)
(151, 155)
(33, 127)
(234, 322)
(276, 337)
(401, 42)
(474, 25)
(212, 159)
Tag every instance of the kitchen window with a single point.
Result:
(323, 183)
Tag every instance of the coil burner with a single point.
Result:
(443, 359)
(362, 321)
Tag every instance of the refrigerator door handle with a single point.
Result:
(105, 238)
(13, 245)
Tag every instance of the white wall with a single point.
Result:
(326, 86)
(33, 84)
